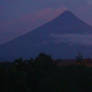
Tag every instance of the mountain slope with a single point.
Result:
(50, 38)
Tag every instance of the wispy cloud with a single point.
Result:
(28, 22)
(81, 39)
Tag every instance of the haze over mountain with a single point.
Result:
(17, 27)
(20, 16)
(62, 37)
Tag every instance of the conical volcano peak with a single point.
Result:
(67, 15)
(67, 12)
(63, 34)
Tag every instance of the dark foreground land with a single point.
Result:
(44, 74)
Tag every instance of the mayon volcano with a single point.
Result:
(62, 37)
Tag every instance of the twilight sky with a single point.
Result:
(20, 16)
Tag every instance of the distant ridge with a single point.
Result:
(60, 38)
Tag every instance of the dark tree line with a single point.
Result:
(43, 75)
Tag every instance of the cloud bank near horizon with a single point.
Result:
(73, 39)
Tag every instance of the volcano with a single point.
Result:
(62, 37)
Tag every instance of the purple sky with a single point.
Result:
(20, 16)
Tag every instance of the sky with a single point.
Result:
(20, 16)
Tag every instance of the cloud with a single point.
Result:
(89, 1)
(1, 7)
(28, 22)
(1, 10)
(45, 15)
(74, 39)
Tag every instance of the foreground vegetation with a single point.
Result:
(44, 75)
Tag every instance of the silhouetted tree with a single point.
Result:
(42, 75)
(19, 64)
(79, 58)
